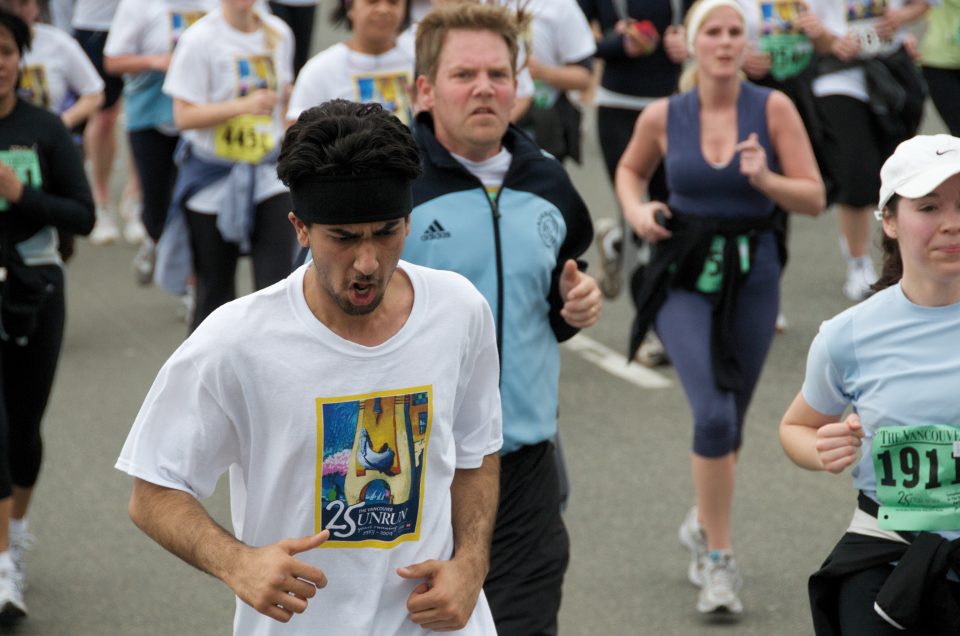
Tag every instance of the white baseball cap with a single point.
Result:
(918, 166)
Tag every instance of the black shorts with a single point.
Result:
(92, 43)
(852, 149)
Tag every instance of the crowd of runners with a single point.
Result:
(717, 120)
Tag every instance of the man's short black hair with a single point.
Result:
(17, 28)
(339, 16)
(345, 138)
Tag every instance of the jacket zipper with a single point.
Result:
(495, 213)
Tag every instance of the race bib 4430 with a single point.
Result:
(918, 477)
(244, 138)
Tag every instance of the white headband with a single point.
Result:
(700, 14)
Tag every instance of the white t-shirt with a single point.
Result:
(214, 62)
(838, 17)
(751, 20)
(61, 14)
(559, 34)
(94, 15)
(152, 28)
(339, 72)
(559, 31)
(319, 432)
(491, 172)
(53, 68)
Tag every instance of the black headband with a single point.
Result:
(347, 199)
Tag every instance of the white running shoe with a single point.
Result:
(188, 305)
(609, 239)
(693, 538)
(860, 276)
(782, 324)
(133, 232)
(721, 583)
(12, 606)
(20, 542)
(651, 352)
(105, 231)
(131, 210)
(145, 261)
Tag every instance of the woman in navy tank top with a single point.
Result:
(732, 151)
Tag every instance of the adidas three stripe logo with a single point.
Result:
(434, 231)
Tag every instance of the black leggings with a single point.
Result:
(27, 374)
(944, 85)
(300, 20)
(215, 259)
(855, 601)
(153, 156)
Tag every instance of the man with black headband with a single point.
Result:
(355, 404)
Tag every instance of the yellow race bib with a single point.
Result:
(244, 138)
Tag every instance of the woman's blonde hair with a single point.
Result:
(271, 37)
(690, 77)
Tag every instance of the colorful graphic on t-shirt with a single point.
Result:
(255, 72)
(392, 90)
(180, 21)
(790, 49)
(865, 9)
(26, 163)
(34, 87)
(370, 475)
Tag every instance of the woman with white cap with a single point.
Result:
(893, 359)
(732, 151)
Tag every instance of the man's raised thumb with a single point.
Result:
(303, 544)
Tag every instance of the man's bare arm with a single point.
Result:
(445, 600)
(268, 579)
(475, 494)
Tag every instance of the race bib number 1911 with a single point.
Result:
(244, 138)
(918, 477)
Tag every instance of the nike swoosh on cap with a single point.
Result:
(943, 152)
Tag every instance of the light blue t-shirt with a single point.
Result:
(896, 363)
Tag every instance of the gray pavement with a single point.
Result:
(92, 573)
